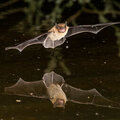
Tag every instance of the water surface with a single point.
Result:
(85, 61)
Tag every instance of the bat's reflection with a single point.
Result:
(57, 60)
(53, 87)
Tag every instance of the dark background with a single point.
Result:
(85, 61)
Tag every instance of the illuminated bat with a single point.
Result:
(57, 35)
(53, 87)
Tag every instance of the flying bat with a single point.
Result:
(53, 87)
(57, 35)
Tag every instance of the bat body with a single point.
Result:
(56, 95)
(57, 35)
(54, 88)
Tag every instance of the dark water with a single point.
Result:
(85, 61)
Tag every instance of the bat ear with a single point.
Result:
(56, 24)
(65, 22)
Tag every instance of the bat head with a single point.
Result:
(59, 103)
(61, 27)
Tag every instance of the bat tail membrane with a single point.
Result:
(59, 42)
(37, 40)
(48, 43)
(53, 78)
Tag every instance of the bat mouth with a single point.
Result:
(62, 30)
(61, 27)
(59, 103)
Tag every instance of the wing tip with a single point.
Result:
(9, 48)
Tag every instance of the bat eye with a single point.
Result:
(51, 97)
(65, 27)
(61, 29)
(58, 27)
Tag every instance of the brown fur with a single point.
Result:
(54, 29)
(55, 92)
(55, 34)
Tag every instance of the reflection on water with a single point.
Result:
(56, 61)
(90, 61)
(53, 87)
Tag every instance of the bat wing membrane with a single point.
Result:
(59, 42)
(37, 40)
(48, 43)
(89, 28)
(30, 89)
(92, 97)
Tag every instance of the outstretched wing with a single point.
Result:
(53, 78)
(92, 97)
(30, 89)
(88, 28)
(37, 40)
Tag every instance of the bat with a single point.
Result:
(53, 87)
(57, 35)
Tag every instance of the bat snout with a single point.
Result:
(59, 103)
(62, 30)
